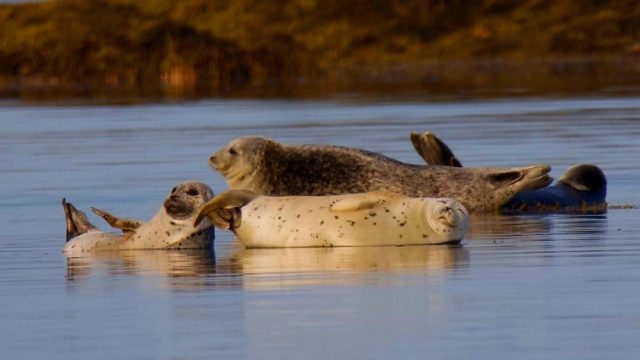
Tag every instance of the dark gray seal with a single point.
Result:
(268, 167)
(582, 188)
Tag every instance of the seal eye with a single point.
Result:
(233, 151)
(192, 192)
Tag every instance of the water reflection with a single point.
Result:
(166, 268)
(534, 227)
(361, 259)
(264, 268)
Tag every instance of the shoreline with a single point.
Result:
(575, 75)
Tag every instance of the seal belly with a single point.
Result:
(93, 241)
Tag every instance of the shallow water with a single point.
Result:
(534, 286)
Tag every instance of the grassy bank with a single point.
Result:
(214, 47)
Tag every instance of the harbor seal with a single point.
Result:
(171, 227)
(367, 219)
(582, 188)
(268, 167)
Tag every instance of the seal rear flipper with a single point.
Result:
(224, 210)
(76, 220)
(506, 183)
(585, 177)
(433, 150)
(124, 224)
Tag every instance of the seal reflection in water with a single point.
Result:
(171, 228)
(582, 188)
(366, 219)
(271, 168)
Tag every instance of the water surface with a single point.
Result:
(530, 286)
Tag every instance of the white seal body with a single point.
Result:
(162, 232)
(366, 219)
(172, 227)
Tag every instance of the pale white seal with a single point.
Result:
(367, 219)
(171, 228)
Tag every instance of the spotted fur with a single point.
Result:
(271, 168)
(367, 219)
(171, 228)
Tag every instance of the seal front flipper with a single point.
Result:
(224, 210)
(76, 220)
(433, 150)
(126, 225)
(361, 201)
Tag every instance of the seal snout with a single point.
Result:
(213, 161)
(448, 216)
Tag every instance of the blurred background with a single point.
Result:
(302, 48)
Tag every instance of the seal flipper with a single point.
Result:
(585, 177)
(77, 222)
(361, 201)
(433, 150)
(224, 210)
(126, 225)
(509, 182)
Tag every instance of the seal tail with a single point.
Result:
(77, 222)
(433, 150)
(224, 210)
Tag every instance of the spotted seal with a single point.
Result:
(171, 227)
(582, 188)
(367, 219)
(268, 167)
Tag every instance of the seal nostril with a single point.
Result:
(212, 159)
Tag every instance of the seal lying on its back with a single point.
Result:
(268, 167)
(367, 219)
(171, 227)
(582, 188)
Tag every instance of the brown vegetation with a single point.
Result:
(220, 45)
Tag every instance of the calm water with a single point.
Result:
(539, 287)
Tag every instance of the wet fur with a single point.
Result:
(279, 169)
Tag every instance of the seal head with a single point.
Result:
(446, 217)
(240, 161)
(185, 199)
